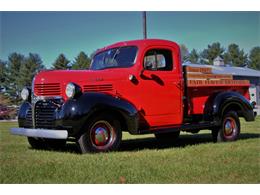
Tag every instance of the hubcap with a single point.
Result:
(229, 126)
(102, 135)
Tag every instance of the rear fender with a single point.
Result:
(227, 101)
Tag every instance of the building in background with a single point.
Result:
(218, 61)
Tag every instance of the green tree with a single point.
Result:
(82, 62)
(193, 56)
(254, 58)
(209, 54)
(30, 67)
(235, 56)
(184, 52)
(3, 73)
(14, 64)
(61, 62)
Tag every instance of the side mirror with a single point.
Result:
(148, 65)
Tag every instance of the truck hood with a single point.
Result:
(53, 83)
(77, 76)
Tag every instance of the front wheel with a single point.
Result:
(102, 134)
(36, 143)
(229, 129)
(55, 144)
(43, 143)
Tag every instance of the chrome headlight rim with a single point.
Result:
(25, 94)
(70, 90)
(73, 90)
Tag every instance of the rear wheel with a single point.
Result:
(167, 137)
(229, 129)
(101, 134)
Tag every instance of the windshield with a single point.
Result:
(121, 57)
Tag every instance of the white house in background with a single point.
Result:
(239, 73)
(218, 61)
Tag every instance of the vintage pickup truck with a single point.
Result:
(135, 86)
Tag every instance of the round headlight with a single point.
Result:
(25, 94)
(70, 90)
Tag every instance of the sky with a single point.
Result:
(52, 33)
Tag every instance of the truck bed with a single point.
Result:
(201, 83)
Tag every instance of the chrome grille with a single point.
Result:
(44, 114)
(47, 89)
(99, 88)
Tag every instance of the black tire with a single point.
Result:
(37, 143)
(101, 134)
(167, 137)
(55, 144)
(43, 143)
(229, 129)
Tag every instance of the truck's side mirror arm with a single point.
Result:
(142, 72)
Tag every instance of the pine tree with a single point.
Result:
(61, 63)
(193, 56)
(82, 62)
(184, 52)
(235, 56)
(31, 66)
(209, 54)
(3, 73)
(254, 58)
(14, 64)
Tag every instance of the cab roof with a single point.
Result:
(139, 43)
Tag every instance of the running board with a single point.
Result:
(184, 127)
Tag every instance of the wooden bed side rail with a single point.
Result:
(191, 76)
(216, 83)
(206, 70)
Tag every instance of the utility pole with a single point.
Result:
(144, 25)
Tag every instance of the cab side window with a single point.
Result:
(158, 59)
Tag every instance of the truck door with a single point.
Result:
(160, 87)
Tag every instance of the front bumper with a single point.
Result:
(41, 133)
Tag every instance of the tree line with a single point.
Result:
(19, 70)
(233, 55)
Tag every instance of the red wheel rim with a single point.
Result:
(102, 135)
(230, 126)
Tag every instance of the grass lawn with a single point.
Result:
(141, 159)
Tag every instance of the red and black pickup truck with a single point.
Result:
(135, 86)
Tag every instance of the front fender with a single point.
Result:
(75, 112)
(23, 119)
